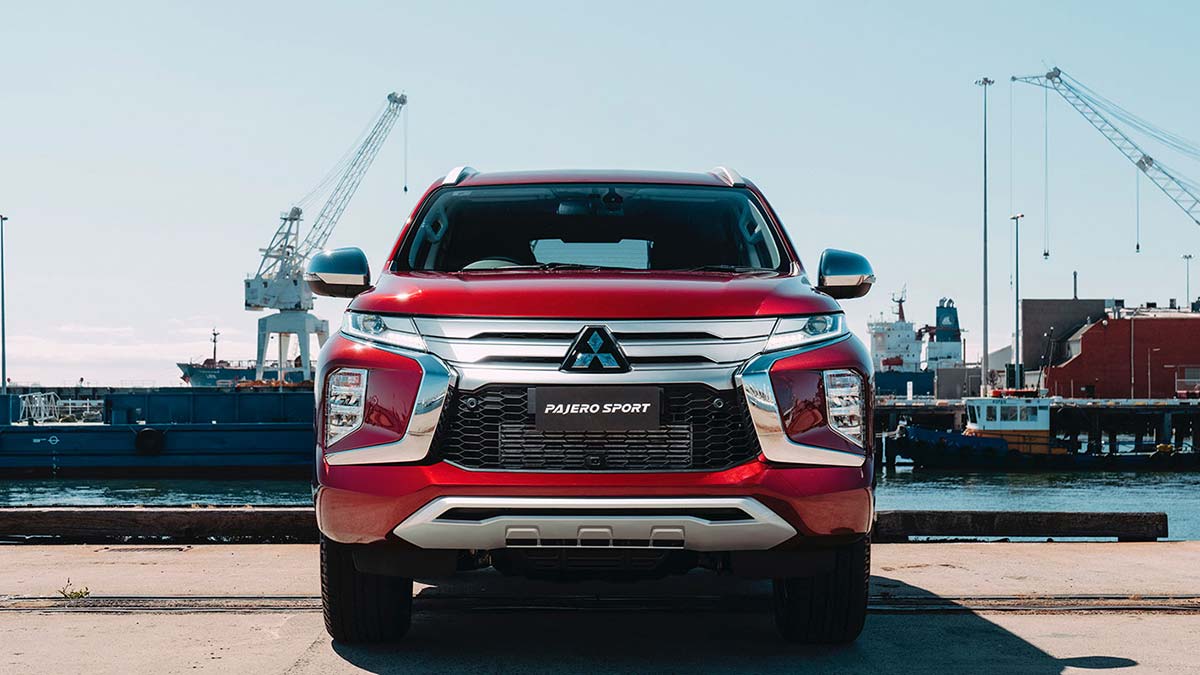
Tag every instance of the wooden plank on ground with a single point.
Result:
(179, 524)
(900, 525)
(263, 524)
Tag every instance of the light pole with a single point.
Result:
(3, 328)
(985, 82)
(1016, 349)
(1187, 276)
(1149, 391)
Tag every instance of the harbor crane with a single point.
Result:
(279, 282)
(1101, 112)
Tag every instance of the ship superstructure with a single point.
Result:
(895, 345)
(943, 348)
(907, 358)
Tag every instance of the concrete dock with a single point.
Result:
(954, 607)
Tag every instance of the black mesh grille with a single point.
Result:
(492, 428)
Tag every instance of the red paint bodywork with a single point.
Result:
(800, 393)
(362, 504)
(392, 383)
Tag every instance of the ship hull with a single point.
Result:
(198, 375)
(945, 450)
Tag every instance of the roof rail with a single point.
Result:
(458, 174)
(731, 177)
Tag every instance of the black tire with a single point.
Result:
(828, 608)
(361, 607)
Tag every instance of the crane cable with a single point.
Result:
(1011, 182)
(405, 121)
(1137, 209)
(1174, 141)
(1184, 146)
(1046, 174)
(340, 167)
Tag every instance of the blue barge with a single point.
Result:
(167, 432)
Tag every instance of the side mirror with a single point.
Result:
(340, 273)
(842, 274)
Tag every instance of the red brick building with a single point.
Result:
(1140, 354)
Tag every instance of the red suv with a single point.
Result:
(594, 374)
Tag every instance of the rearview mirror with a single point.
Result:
(340, 273)
(842, 274)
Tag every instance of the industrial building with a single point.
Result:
(1145, 352)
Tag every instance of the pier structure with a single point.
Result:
(1091, 425)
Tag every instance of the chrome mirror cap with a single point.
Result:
(843, 275)
(340, 273)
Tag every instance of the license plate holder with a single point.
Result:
(607, 408)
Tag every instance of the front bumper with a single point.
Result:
(364, 504)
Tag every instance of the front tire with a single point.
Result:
(360, 607)
(829, 608)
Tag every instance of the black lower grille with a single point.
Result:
(701, 429)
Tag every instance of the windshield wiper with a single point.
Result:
(544, 266)
(737, 269)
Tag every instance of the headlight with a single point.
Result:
(389, 330)
(344, 401)
(794, 332)
(845, 403)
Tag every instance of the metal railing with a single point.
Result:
(42, 407)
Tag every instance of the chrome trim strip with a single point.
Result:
(763, 529)
(457, 174)
(496, 351)
(847, 279)
(717, 377)
(436, 380)
(755, 381)
(725, 329)
(336, 278)
(731, 177)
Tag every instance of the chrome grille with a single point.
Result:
(488, 351)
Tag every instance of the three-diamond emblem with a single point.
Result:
(595, 349)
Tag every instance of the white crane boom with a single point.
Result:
(279, 282)
(1181, 191)
(340, 197)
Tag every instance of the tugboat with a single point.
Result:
(1012, 431)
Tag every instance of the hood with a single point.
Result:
(561, 294)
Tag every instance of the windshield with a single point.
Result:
(591, 226)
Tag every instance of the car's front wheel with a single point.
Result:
(361, 607)
(829, 608)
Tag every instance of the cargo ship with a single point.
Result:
(213, 373)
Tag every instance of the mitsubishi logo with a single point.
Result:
(595, 349)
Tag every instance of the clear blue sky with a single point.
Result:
(147, 148)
